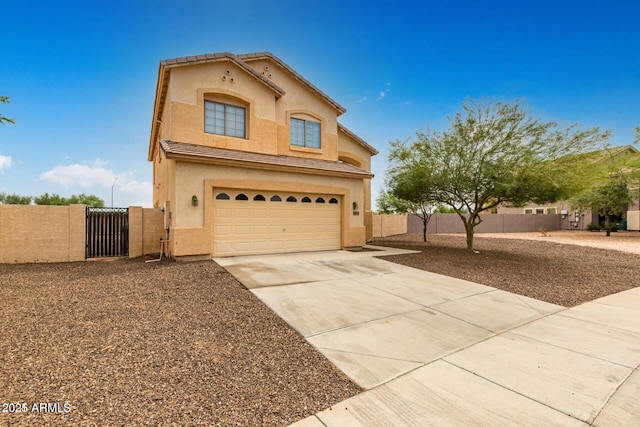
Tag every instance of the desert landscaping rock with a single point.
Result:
(130, 343)
(568, 272)
(126, 342)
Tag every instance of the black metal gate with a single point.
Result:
(107, 232)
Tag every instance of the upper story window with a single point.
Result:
(305, 133)
(224, 119)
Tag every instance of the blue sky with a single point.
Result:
(81, 74)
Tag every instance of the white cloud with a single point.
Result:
(133, 187)
(96, 175)
(5, 162)
(83, 175)
(384, 93)
(361, 100)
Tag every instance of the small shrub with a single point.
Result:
(594, 226)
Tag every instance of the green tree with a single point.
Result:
(422, 209)
(56, 199)
(609, 198)
(14, 199)
(89, 200)
(3, 119)
(491, 154)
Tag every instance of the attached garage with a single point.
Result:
(260, 222)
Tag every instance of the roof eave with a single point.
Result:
(268, 55)
(359, 140)
(190, 158)
(158, 108)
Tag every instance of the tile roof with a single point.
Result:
(182, 150)
(268, 55)
(242, 61)
(359, 140)
(226, 56)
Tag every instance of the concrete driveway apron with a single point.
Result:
(434, 350)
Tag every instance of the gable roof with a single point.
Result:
(356, 138)
(204, 154)
(164, 75)
(242, 61)
(249, 57)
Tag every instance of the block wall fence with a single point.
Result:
(34, 233)
(389, 225)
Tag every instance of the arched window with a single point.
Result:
(305, 199)
(259, 198)
(291, 199)
(242, 197)
(319, 200)
(275, 198)
(333, 200)
(222, 196)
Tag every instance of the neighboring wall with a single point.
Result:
(491, 223)
(58, 233)
(42, 233)
(389, 225)
(633, 220)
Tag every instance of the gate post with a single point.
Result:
(77, 232)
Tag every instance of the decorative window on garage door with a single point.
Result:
(261, 197)
(248, 221)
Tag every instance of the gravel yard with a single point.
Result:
(129, 343)
(126, 342)
(566, 267)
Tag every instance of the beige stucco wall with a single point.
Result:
(42, 233)
(191, 227)
(267, 132)
(267, 117)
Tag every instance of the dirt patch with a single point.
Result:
(537, 267)
(130, 343)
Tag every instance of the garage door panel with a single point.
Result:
(256, 226)
(260, 229)
(242, 212)
(242, 230)
(260, 213)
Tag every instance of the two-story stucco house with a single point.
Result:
(249, 158)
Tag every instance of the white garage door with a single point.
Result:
(250, 222)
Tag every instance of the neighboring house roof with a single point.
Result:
(248, 57)
(204, 154)
(359, 140)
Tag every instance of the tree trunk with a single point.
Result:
(607, 224)
(424, 229)
(469, 228)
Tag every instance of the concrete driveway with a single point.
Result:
(434, 350)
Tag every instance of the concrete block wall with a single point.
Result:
(491, 223)
(58, 233)
(389, 225)
(42, 233)
(145, 231)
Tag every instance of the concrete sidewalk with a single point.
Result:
(434, 350)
